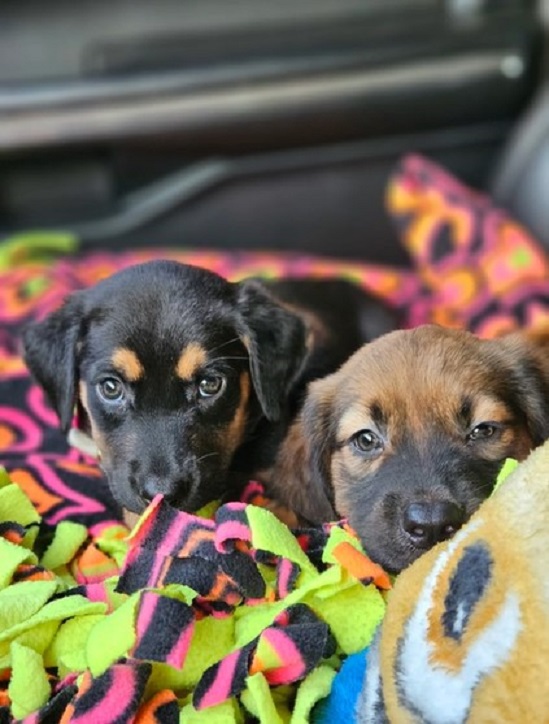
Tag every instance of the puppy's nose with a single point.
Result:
(428, 523)
(170, 489)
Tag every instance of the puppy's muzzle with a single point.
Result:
(173, 489)
(429, 522)
(176, 483)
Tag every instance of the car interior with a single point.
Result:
(265, 125)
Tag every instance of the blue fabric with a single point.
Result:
(346, 688)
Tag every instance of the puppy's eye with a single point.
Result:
(482, 431)
(111, 389)
(211, 385)
(367, 443)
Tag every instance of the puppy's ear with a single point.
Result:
(276, 341)
(301, 476)
(527, 354)
(49, 350)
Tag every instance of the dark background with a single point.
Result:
(251, 124)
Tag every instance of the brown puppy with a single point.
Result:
(407, 438)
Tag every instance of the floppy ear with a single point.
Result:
(301, 476)
(276, 341)
(49, 350)
(527, 354)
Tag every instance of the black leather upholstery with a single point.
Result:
(521, 180)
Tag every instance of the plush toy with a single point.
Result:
(465, 637)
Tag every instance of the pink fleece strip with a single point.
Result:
(167, 545)
(220, 689)
(284, 574)
(118, 698)
(292, 664)
(231, 530)
(146, 613)
(177, 655)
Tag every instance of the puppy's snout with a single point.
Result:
(171, 489)
(427, 523)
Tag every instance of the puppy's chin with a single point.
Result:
(386, 544)
(130, 519)
(129, 502)
(393, 556)
(193, 497)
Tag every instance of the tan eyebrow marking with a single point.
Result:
(127, 362)
(191, 359)
(353, 420)
(490, 409)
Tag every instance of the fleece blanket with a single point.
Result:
(471, 266)
(212, 617)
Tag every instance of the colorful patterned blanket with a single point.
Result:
(471, 266)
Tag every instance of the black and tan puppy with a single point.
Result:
(185, 381)
(407, 438)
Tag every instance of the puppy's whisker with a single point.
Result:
(488, 486)
(222, 359)
(223, 344)
(207, 455)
